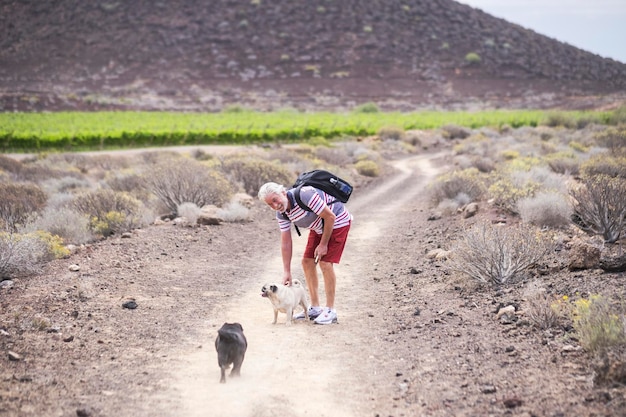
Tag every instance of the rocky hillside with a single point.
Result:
(204, 55)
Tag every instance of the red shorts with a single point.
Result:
(335, 245)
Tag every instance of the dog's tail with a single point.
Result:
(296, 283)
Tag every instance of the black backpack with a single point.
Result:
(325, 181)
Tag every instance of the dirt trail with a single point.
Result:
(306, 369)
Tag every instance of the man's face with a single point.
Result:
(278, 201)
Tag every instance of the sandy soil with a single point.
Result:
(413, 339)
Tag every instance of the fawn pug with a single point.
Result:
(285, 298)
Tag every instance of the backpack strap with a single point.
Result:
(296, 195)
(303, 206)
(287, 217)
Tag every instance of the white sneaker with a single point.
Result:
(327, 317)
(313, 313)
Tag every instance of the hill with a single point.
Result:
(325, 54)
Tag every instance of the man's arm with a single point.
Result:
(286, 250)
(329, 223)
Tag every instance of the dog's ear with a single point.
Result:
(274, 288)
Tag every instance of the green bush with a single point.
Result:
(367, 108)
(618, 116)
(561, 119)
(472, 58)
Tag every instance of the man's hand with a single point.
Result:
(287, 280)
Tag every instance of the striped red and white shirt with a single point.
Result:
(316, 200)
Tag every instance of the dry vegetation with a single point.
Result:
(529, 213)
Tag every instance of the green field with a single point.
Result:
(74, 131)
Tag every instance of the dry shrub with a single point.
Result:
(483, 164)
(499, 254)
(600, 327)
(252, 173)
(234, 212)
(64, 185)
(176, 181)
(468, 182)
(391, 133)
(546, 209)
(600, 206)
(10, 165)
(21, 255)
(614, 139)
(505, 193)
(64, 222)
(605, 165)
(560, 119)
(18, 202)
(333, 156)
(541, 312)
(133, 184)
(109, 211)
(452, 131)
(189, 211)
(598, 324)
(565, 164)
(367, 168)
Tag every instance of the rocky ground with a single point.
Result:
(414, 337)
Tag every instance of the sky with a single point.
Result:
(597, 26)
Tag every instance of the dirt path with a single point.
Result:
(309, 370)
(413, 338)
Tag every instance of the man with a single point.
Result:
(328, 223)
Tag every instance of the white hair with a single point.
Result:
(270, 188)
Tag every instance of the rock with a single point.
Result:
(435, 216)
(244, 199)
(209, 221)
(470, 210)
(512, 402)
(438, 254)
(570, 348)
(488, 389)
(583, 256)
(131, 305)
(14, 356)
(84, 412)
(506, 310)
(126, 235)
(74, 268)
(617, 264)
(6, 284)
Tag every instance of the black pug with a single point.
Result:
(231, 347)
